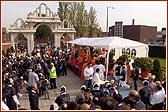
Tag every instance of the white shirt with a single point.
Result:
(157, 97)
(102, 70)
(4, 106)
(96, 79)
(88, 72)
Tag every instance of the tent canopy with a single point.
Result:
(112, 42)
(108, 42)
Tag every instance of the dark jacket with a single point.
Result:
(33, 99)
(8, 92)
(145, 93)
(63, 98)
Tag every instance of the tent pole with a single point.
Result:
(107, 63)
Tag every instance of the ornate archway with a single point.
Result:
(37, 18)
(21, 41)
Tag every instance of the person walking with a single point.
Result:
(33, 98)
(53, 77)
(9, 93)
(32, 77)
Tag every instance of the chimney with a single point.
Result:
(133, 21)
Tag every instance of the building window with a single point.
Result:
(118, 29)
(133, 52)
(128, 51)
(123, 51)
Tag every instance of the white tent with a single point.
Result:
(113, 42)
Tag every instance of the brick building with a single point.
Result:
(141, 33)
(3, 34)
(4, 44)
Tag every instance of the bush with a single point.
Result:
(122, 59)
(157, 70)
(144, 63)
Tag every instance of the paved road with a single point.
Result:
(73, 84)
(71, 81)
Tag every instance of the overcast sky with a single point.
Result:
(151, 13)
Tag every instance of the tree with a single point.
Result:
(44, 32)
(73, 13)
(92, 21)
(81, 26)
(157, 70)
(63, 11)
(78, 16)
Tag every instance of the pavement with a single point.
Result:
(73, 84)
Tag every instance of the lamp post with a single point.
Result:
(86, 25)
(107, 18)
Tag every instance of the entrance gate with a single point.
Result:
(34, 20)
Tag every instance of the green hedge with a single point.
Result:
(157, 51)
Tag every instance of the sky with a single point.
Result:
(150, 13)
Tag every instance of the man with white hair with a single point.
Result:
(64, 97)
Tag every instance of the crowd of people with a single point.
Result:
(107, 97)
(40, 70)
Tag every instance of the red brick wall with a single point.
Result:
(137, 32)
(5, 46)
(131, 32)
(3, 34)
(148, 33)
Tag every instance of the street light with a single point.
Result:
(86, 18)
(107, 18)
